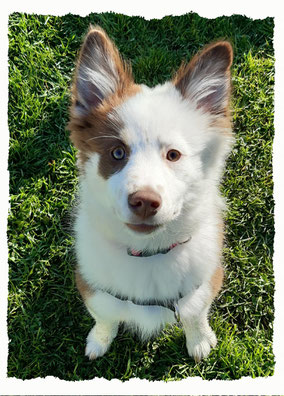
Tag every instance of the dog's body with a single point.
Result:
(149, 227)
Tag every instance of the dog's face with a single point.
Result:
(146, 152)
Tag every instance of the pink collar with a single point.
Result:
(146, 253)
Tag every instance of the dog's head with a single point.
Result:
(147, 153)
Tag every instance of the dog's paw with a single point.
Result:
(199, 344)
(95, 349)
(98, 343)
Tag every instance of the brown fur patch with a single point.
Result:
(217, 281)
(224, 124)
(99, 131)
(95, 131)
(84, 289)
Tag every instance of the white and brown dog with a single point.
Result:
(149, 227)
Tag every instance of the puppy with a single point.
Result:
(149, 226)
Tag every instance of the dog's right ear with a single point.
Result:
(100, 72)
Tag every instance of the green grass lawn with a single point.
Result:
(47, 321)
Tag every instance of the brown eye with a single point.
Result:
(118, 153)
(173, 155)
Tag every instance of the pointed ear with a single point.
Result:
(206, 80)
(100, 71)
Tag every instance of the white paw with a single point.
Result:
(98, 343)
(95, 349)
(199, 344)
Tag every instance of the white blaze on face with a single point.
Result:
(151, 129)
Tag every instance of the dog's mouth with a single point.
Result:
(142, 228)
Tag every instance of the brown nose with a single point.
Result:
(144, 203)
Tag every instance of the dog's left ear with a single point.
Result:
(206, 80)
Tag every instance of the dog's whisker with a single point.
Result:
(103, 137)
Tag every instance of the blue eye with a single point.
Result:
(118, 153)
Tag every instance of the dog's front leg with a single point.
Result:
(100, 338)
(109, 311)
(194, 310)
(105, 329)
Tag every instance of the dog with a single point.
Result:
(149, 228)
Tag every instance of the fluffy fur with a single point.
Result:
(190, 115)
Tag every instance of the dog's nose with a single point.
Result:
(144, 203)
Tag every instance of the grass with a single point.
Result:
(47, 321)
